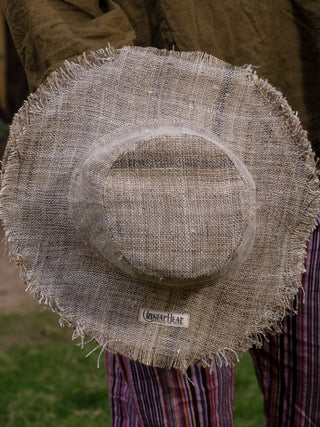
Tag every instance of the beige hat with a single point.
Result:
(160, 202)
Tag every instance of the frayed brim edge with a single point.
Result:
(270, 321)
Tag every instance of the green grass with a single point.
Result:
(47, 381)
(248, 397)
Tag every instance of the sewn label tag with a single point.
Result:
(164, 318)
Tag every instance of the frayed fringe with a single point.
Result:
(224, 357)
(289, 301)
(294, 127)
(271, 320)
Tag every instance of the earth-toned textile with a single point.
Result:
(185, 190)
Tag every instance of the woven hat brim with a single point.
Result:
(115, 91)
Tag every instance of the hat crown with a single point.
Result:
(166, 205)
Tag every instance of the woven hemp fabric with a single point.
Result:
(160, 202)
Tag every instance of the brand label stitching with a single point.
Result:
(164, 318)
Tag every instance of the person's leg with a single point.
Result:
(123, 411)
(288, 366)
(141, 395)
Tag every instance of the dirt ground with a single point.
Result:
(13, 297)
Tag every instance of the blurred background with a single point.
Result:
(13, 90)
(45, 380)
(13, 83)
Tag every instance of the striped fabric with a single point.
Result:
(144, 396)
(287, 367)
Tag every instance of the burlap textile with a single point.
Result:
(247, 160)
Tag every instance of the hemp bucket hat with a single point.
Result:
(160, 202)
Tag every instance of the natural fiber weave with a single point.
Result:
(171, 207)
(146, 189)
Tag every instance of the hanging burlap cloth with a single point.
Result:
(160, 202)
